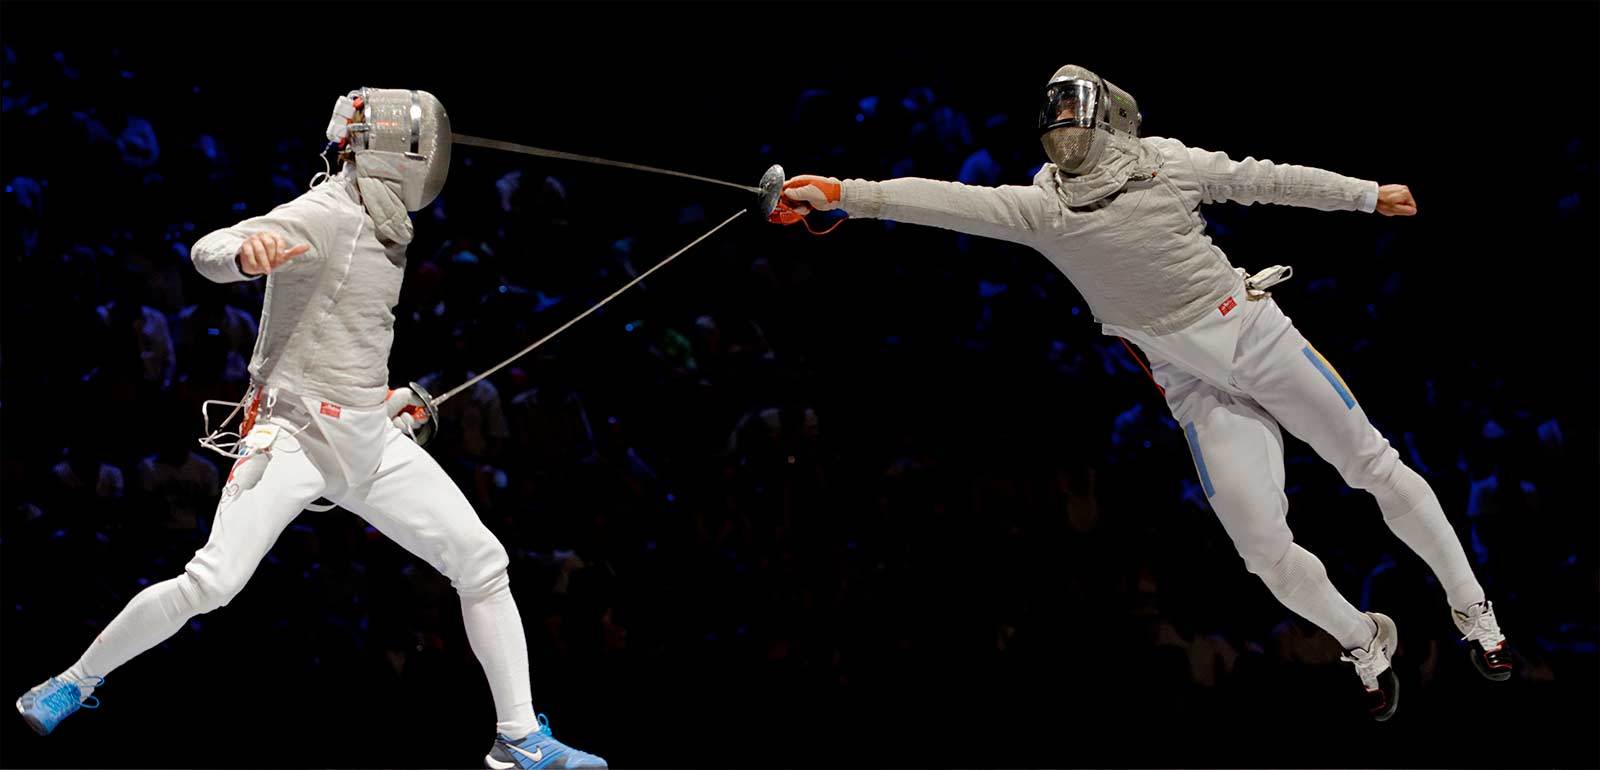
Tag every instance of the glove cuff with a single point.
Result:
(860, 198)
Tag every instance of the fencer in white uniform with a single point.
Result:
(321, 422)
(1120, 216)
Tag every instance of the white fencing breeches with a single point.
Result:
(357, 459)
(1231, 380)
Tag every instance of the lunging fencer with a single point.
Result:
(1119, 215)
(321, 422)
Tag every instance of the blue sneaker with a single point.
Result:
(538, 751)
(46, 705)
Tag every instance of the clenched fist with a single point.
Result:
(262, 253)
(1394, 200)
(406, 411)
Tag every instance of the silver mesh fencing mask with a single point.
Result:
(404, 135)
(1080, 110)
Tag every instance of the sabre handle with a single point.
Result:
(784, 214)
(430, 408)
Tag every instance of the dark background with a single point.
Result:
(884, 498)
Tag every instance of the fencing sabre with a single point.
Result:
(767, 192)
(767, 195)
(769, 199)
(430, 403)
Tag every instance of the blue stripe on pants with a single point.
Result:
(1199, 459)
(1332, 376)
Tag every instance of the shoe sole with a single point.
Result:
(1387, 624)
(493, 764)
(1491, 674)
(1394, 702)
(32, 721)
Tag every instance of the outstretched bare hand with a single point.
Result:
(1394, 200)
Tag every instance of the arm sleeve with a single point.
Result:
(298, 221)
(1010, 213)
(1262, 181)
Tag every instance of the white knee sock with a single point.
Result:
(494, 629)
(1414, 514)
(1428, 533)
(152, 616)
(1301, 583)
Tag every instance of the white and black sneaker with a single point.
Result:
(1482, 632)
(1374, 665)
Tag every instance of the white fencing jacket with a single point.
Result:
(1129, 234)
(328, 320)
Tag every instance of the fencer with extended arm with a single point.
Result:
(1179, 271)
(1120, 216)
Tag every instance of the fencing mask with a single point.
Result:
(1081, 111)
(400, 143)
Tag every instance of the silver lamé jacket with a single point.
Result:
(1129, 234)
(328, 320)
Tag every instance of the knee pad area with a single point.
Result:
(201, 591)
(1373, 467)
(484, 585)
(1289, 572)
(483, 572)
(207, 586)
(1405, 493)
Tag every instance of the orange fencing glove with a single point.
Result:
(804, 194)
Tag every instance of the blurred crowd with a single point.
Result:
(798, 462)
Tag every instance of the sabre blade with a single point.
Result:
(584, 314)
(495, 144)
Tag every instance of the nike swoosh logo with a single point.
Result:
(536, 756)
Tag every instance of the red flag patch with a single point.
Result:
(1226, 305)
(332, 410)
